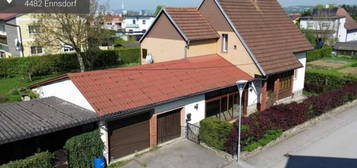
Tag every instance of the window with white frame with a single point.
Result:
(144, 21)
(68, 48)
(310, 25)
(36, 50)
(2, 54)
(34, 29)
(134, 21)
(224, 42)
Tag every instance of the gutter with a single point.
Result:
(241, 38)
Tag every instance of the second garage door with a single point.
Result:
(168, 126)
(129, 135)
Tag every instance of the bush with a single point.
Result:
(39, 160)
(82, 149)
(214, 132)
(63, 63)
(319, 81)
(269, 136)
(319, 53)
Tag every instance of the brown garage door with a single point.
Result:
(168, 126)
(129, 135)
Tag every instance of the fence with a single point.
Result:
(193, 133)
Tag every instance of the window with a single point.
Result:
(144, 21)
(35, 50)
(144, 52)
(296, 74)
(224, 42)
(68, 48)
(34, 29)
(144, 30)
(2, 54)
(325, 26)
(2, 27)
(130, 30)
(310, 25)
(134, 21)
(285, 83)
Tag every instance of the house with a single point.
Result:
(40, 125)
(191, 59)
(136, 25)
(17, 37)
(346, 49)
(295, 17)
(337, 20)
(113, 22)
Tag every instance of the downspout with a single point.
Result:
(187, 46)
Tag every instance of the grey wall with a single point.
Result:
(12, 34)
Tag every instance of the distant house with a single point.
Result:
(191, 59)
(346, 49)
(135, 26)
(337, 20)
(295, 17)
(113, 22)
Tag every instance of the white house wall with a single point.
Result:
(189, 107)
(299, 79)
(352, 35)
(66, 90)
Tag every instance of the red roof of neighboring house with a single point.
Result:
(350, 22)
(192, 24)
(268, 32)
(115, 90)
(6, 16)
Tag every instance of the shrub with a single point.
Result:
(269, 136)
(39, 160)
(82, 149)
(319, 53)
(214, 132)
(129, 55)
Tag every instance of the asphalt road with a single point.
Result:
(331, 143)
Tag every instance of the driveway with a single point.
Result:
(331, 143)
(180, 154)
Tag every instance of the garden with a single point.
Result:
(328, 91)
(16, 73)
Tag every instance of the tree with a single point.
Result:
(158, 9)
(82, 32)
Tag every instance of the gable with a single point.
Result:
(210, 10)
(164, 29)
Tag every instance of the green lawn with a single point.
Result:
(347, 63)
(9, 86)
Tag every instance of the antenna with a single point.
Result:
(122, 4)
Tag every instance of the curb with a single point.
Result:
(299, 128)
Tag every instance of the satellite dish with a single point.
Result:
(149, 59)
(17, 44)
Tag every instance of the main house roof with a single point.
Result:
(36, 117)
(191, 23)
(268, 32)
(122, 89)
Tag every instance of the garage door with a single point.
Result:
(168, 126)
(129, 135)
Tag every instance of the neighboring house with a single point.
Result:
(295, 17)
(113, 22)
(40, 125)
(346, 49)
(17, 37)
(135, 26)
(198, 56)
(337, 20)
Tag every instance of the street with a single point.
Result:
(330, 143)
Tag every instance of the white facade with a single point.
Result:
(137, 25)
(299, 76)
(336, 24)
(66, 90)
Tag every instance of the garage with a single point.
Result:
(129, 135)
(169, 126)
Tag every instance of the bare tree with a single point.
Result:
(81, 32)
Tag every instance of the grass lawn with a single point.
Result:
(342, 65)
(9, 86)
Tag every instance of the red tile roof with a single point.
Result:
(268, 32)
(350, 24)
(192, 24)
(115, 90)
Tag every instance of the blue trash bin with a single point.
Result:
(99, 162)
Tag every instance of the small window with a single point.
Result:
(68, 48)
(35, 50)
(34, 29)
(134, 21)
(144, 30)
(2, 54)
(224, 42)
(131, 31)
(310, 25)
(144, 52)
(295, 74)
(144, 21)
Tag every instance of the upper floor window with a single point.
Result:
(134, 21)
(144, 21)
(36, 50)
(310, 25)
(224, 42)
(34, 29)
(68, 48)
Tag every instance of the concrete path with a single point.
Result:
(180, 154)
(331, 143)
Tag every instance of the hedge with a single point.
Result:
(39, 160)
(82, 149)
(319, 81)
(286, 116)
(319, 53)
(63, 63)
(214, 132)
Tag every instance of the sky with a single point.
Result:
(151, 4)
